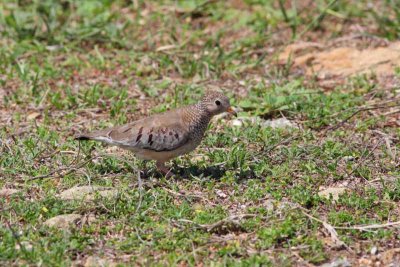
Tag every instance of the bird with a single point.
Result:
(164, 136)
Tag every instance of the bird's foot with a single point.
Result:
(164, 170)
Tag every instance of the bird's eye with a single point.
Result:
(217, 102)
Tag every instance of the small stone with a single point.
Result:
(64, 221)
(32, 116)
(54, 47)
(6, 192)
(348, 158)
(240, 121)
(334, 191)
(337, 263)
(87, 193)
(279, 123)
(237, 123)
(374, 250)
(221, 194)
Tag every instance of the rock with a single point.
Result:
(64, 221)
(87, 193)
(374, 250)
(280, 123)
(237, 123)
(6, 192)
(54, 47)
(240, 121)
(338, 263)
(276, 124)
(221, 193)
(334, 191)
(32, 116)
(348, 158)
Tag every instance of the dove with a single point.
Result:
(164, 136)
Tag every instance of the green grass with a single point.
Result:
(68, 67)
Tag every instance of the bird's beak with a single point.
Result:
(232, 111)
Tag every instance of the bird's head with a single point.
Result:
(216, 103)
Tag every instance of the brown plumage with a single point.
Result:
(164, 136)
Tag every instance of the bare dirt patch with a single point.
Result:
(336, 63)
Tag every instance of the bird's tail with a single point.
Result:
(101, 135)
(83, 137)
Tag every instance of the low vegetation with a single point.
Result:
(322, 188)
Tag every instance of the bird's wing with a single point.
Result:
(162, 132)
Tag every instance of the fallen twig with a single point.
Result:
(368, 227)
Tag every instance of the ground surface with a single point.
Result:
(325, 188)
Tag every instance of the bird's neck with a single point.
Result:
(203, 113)
(197, 117)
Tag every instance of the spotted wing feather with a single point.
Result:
(152, 133)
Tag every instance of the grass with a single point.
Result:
(67, 67)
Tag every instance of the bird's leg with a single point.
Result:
(163, 169)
